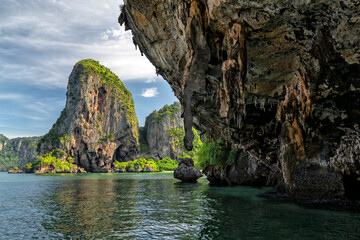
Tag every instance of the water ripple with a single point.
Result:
(155, 206)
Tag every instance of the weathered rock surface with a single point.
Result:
(98, 124)
(15, 171)
(186, 171)
(17, 152)
(156, 136)
(163, 135)
(52, 169)
(277, 79)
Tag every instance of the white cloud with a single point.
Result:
(116, 34)
(42, 40)
(150, 80)
(149, 92)
(11, 96)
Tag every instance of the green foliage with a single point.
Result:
(138, 165)
(216, 153)
(167, 110)
(166, 164)
(28, 166)
(177, 135)
(54, 158)
(144, 148)
(65, 139)
(119, 91)
(53, 136)
(10, 153)
(105, 138)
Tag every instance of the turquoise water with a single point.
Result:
(155, 206)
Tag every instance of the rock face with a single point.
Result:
(98, 124)
(156, 139)
(17, 152)
(163, 135)
(277, 79)
(15, 171)
(186, 171)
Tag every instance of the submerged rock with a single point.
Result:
(186, 171)
(98, 124)
(279, 80)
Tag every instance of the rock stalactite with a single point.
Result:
(278, 79)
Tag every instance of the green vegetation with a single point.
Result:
(105, 138)
(12, 152)
(119, 91)
(177, 142)
(141, 164)
(144, 147)
(167, 110)
(167, 164)
(52, 159)
(28, 166)
(216, 153)
(138, 165)
(53, 136)
(65, 139)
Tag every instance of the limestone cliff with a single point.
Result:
(156, 135)
(278, 79)
(163, 134)
(17, 152)
(98, 124)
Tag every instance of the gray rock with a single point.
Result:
(186, 171)
(155, 134)
(19, 151)
(99, 120)
(277, 79)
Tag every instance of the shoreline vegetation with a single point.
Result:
(214, 153)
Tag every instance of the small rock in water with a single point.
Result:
(15, 171)
(186, 171)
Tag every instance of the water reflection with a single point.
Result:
(91, 209)
(155, 206)
(125, 208)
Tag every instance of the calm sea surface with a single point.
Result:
(155, 206)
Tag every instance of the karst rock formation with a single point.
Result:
(279, 80)
(98, 124)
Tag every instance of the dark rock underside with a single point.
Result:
(277, 79)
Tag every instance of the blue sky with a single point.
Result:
(41, 40)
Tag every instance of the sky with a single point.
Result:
(40, 42)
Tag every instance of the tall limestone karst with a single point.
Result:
(98, 124)
(279, 80)
(163, 133)
(17, 152)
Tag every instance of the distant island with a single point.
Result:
(98, 132)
